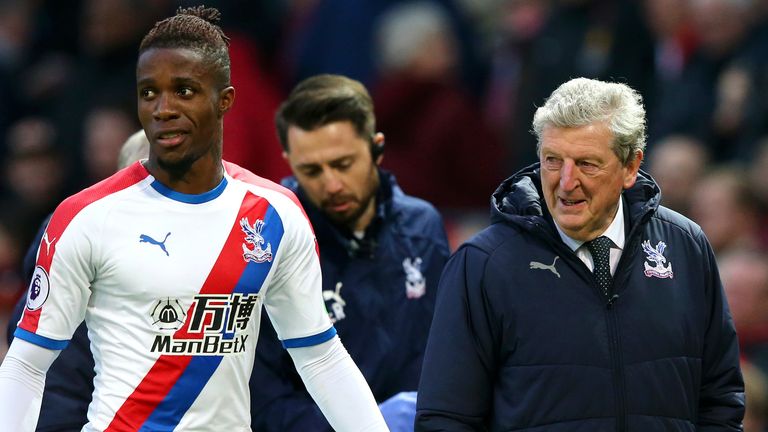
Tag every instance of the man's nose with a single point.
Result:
(568, 176)
(333, 184)
(164, 108)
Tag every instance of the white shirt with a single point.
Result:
(615, 232)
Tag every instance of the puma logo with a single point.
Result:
(48, 243)
(147, 239)
(540, 266)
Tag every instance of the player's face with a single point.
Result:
(582, 178)
(334, 167)
(180, 106)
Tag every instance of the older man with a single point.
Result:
(585, 306)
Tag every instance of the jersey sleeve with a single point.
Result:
(294, 301)
(60, 285)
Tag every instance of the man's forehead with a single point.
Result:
(188, 61)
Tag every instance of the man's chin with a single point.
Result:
(175, 166)
(572, 225)
(346, 218)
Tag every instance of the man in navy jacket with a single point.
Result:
(585, 306)
(381, 254)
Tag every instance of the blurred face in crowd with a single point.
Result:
(333, 165)
(677, 163)
(745, 280)
(181, 103)
(727, 215)
(582, 178)
(105, 132)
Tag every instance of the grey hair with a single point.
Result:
(135, 148)
(582, 101)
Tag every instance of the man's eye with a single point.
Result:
(147, 93)
(310, 172)
(552, 163)
(343, 165)
(186, 92)
(588, 167)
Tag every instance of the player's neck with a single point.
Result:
(201, 176)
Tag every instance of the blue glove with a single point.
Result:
(399, 411)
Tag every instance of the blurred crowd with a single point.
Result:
(455, 85)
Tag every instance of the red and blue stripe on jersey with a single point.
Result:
(171, 386)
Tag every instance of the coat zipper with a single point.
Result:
(620, 390)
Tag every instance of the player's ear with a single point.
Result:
(226, 99)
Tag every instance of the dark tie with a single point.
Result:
(600, 248)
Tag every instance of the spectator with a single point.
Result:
(430, 121)
(677, 163)
(727, 209)
(745, 278)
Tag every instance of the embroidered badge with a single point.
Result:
(253, 236)
(656, 256)
(415, 283)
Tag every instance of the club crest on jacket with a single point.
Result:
(415, 283)
(656, 256)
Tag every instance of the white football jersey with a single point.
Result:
(171, 286)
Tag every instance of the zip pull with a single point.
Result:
(614, 298)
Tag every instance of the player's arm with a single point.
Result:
(279, 401)
(22, 379)
(338, 387)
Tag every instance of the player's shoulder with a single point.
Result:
(280, 197)
(257, 182)
(124, 179)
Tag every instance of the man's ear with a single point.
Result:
(631, 169)
(226, 99)
(377, 148)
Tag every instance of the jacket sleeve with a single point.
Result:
(456, 386)
(279, 400)
(721, 402)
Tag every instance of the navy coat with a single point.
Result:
(517, 345)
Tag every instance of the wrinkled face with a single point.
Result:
(334, 167)
(582, 178)
(180, 106)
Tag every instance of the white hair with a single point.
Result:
(583, 101)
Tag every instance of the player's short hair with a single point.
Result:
(583, 101)
(193, 28)
(323, 99)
